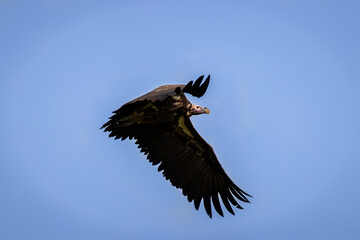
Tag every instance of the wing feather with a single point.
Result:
(215, 200)
(197, 89)
(227, 205)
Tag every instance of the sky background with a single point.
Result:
(285, 112)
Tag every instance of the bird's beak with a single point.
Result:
(196, 110)
(206, 110)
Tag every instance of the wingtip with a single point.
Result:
(197, 88)
(199, 79)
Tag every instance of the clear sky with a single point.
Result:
(285, 116)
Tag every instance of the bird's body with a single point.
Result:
(160, 123)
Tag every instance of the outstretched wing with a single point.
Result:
(186, 160)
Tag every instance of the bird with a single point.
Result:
(160, 123)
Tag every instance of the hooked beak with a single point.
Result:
(206, 110)
(196, 110)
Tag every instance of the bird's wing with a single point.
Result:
(186, 160)
(197, 89)
(160, 93)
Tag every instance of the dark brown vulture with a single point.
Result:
(160, 123)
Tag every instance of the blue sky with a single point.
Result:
(285, 113)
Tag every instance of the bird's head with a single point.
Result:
(196, 110)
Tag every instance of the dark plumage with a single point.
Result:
(160, 123)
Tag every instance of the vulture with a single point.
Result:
(160, 123)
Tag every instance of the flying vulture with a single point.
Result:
(160, 123)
